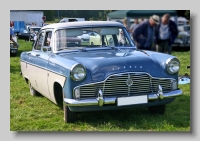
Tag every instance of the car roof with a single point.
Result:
(82, 24)
(35, 27)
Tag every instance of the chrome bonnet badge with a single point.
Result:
(129, 81)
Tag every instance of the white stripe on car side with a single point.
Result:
(51, 77)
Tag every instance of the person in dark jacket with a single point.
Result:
(143, 35)
(166, 33)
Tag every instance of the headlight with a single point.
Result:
(173, 65)
(78, 72)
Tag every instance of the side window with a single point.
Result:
(122, 39)
(48, 38)
(39, 42)
(109, 40)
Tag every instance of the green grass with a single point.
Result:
(29, 113)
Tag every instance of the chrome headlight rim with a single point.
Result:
(168, 64)
(72, 70)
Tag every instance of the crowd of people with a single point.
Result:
(155, 34)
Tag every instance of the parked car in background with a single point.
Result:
(90, 38)
(64, 20)
(183, 39)
(29, 33)
(13, 47)
(98, 77)
(68, 41)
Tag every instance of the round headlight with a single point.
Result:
(173, 65)
(78, 72)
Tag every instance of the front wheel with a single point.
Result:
(160, 109)
(69, 117)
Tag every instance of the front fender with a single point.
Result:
(162, 58)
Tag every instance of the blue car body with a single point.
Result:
(112, 73)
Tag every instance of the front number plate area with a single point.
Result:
(122, 101)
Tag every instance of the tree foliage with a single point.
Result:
(50, 16)
(187, 14)
(90, 14)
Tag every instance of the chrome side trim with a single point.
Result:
(112, 100)
(42, 68)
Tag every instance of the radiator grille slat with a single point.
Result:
(116, 85)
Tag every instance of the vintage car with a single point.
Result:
(90, 38)
(29, 33)
(183, 39)
(98, 77)
(14, 47)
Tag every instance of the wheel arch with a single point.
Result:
(58, 92)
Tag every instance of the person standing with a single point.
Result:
(166, 33)
(125, 24)
(35, 38)
(143, 35)
(134, 25)
(12, 35)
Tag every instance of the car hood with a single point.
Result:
(102, 63)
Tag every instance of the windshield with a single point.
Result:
(92, 37)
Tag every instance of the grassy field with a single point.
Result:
(29, 113)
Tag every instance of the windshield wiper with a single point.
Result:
(83, 50)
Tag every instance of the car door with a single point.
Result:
(28, 67)
(32, 57)
(42, 57)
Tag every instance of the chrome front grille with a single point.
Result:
(165, 83)
(116, 85)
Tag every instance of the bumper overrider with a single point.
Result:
(120, 101)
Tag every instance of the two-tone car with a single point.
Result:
(83, 78)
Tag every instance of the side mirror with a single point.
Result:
(46, 48)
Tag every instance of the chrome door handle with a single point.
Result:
(37, 54)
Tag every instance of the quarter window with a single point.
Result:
(39, 42)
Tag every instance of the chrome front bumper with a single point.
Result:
(112, 100)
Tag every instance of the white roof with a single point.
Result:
(83, 24)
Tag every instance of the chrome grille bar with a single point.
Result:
(116, 85)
